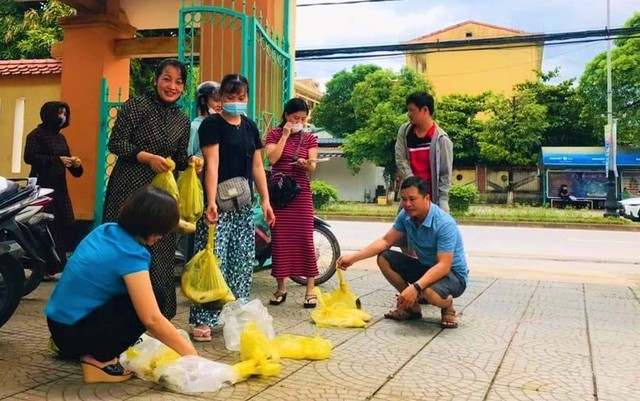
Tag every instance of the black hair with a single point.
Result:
(234, 83)
(422, 99)
(417, 183)
(49, 115)
(293, 106)
(173, 63)
(149, 211)
(204, 91)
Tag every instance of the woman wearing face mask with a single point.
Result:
(147, 130)
(105, 300)
(208, 100)
(48, 154)
(231, 146)
(292, 250)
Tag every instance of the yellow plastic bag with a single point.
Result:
(340, 308)
(202, 280)
(258, 355)
(290, 346)
(191, 196)
(147, 355)
(342, 297)
(166, 181)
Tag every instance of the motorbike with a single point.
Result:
(327, 248)
(22, 220)
(11, 279)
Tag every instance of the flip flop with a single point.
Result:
(201, 335)
(278, 298)
(448, 324)
(310, 301)
(403, 315)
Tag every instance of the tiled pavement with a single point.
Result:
(517, 340)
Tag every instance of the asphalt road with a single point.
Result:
(608, 257)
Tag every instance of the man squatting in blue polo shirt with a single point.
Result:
(439, 273)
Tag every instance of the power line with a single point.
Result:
(535, 39)
(395, 54)
(341, 3)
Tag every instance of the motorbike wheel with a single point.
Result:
(36, 274)
(11, 284)
(327, 251)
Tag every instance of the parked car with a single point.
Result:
(630, 208)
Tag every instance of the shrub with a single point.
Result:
(323, 193)
(461, 197)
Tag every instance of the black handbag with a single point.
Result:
(283, 189)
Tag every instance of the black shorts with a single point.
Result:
(411, 270)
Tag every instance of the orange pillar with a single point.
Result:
(87, 57)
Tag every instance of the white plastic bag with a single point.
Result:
(195, 374)
(146, 355)
(236, 314)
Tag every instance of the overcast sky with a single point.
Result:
(397, 21)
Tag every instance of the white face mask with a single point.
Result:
(212, 111)
(297, 127)
(62, 118)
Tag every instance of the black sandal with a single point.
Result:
(310, 301)
(280, 297)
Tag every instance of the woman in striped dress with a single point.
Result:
(293, 252)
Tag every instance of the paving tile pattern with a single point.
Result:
(517, 340)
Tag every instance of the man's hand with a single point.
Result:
(345, 261)
(407, 298)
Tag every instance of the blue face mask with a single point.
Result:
(235, 108)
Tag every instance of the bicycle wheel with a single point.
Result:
(327, 251)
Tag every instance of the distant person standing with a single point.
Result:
(48, 153)
(423, 149)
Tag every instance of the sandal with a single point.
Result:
(447, 322)
(114, 373)
(310, 301)
(399, 315)
(279, 298)
(201, 334)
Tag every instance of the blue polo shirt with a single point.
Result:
(437, 233)
(94, 274)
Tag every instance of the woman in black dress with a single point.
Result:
(47, 152)
(147, 130)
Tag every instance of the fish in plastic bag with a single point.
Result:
(195, 374)
(191, 196)
(202, 280)
(147, 355)
(166, 181)
(342, 297)
(234, 317)
(340, 308)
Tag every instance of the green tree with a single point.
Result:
(335, 112)
(379, 109)
(625, 72)
(28, 30)
(564, 107)
(512, 135)
(457, 114)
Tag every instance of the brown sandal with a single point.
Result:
(310, 301)
(278, 298)
(446, 322)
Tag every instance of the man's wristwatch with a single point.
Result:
(417, 287)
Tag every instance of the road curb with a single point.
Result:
(565, 226)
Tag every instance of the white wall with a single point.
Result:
(350, 187)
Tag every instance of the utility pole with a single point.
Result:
(611, 203)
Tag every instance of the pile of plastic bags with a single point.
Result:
(202, 280)
(236, 315)
(341, 308)
(187, 191)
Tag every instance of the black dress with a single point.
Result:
(42, 151)
(145, 123)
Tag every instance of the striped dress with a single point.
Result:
(293, 253)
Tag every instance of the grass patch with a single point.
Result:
(483, 213)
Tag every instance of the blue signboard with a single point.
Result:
(595, 157)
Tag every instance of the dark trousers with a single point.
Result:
(105, 333)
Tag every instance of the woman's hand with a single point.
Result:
(158, 163)
(268, 214)
(67, 161)
(211, 213)
(198, 163)
(286, 130)
(303, 163)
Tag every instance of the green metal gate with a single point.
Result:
(106, 159)
(263, 58)
(208, 39)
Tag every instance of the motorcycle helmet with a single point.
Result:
(203, 92)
